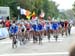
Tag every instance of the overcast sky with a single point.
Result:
(64, 4)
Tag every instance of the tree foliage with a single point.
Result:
(74, 8)
(49, 7)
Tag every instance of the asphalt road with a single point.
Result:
(52, 48)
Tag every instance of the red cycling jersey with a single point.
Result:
(7, 23)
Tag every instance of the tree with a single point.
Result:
(49, 7)
(13, 7)
(73, 8)
(70, 14)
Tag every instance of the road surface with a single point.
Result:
(52, 48)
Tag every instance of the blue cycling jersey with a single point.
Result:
(37, 27)
(55, 25)
(34, 27)
(47, 27)
(40, 27)
(13, 29)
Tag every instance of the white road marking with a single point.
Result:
(51, 40)
(30, 54)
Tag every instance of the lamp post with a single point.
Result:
(18, 8)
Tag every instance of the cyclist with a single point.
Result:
(13, 33)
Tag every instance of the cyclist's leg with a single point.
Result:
(14, 42)
(40, 37)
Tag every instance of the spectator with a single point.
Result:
(3, 23)
(7, 23)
